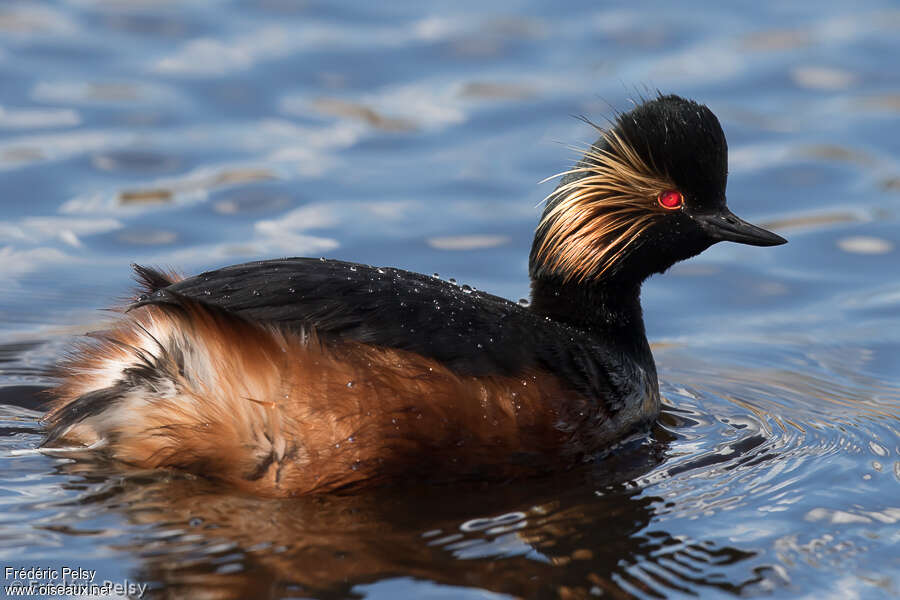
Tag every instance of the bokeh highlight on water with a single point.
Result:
(197, 134)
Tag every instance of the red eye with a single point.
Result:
(670, 199)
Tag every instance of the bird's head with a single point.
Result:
(648, 193)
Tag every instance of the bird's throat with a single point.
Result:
(609, 310)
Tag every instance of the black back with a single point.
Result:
(471, 332)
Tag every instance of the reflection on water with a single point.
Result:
(577, 534)
(514, 540)
(195, 134)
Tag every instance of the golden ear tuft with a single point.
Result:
(595, 218)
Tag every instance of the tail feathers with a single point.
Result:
(171, 387)
(151, 279)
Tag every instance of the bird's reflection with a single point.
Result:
(572, 535)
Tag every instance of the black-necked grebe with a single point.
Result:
(302, 375)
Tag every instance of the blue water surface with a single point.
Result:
(196, 134)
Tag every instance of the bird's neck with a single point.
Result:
(609, 310)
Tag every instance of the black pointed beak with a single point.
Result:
(725, 226)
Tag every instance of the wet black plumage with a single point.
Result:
(470, 331)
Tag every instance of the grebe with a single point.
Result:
(301, 375)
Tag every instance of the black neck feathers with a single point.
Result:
(610, 310)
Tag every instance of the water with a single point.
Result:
(196, 134)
